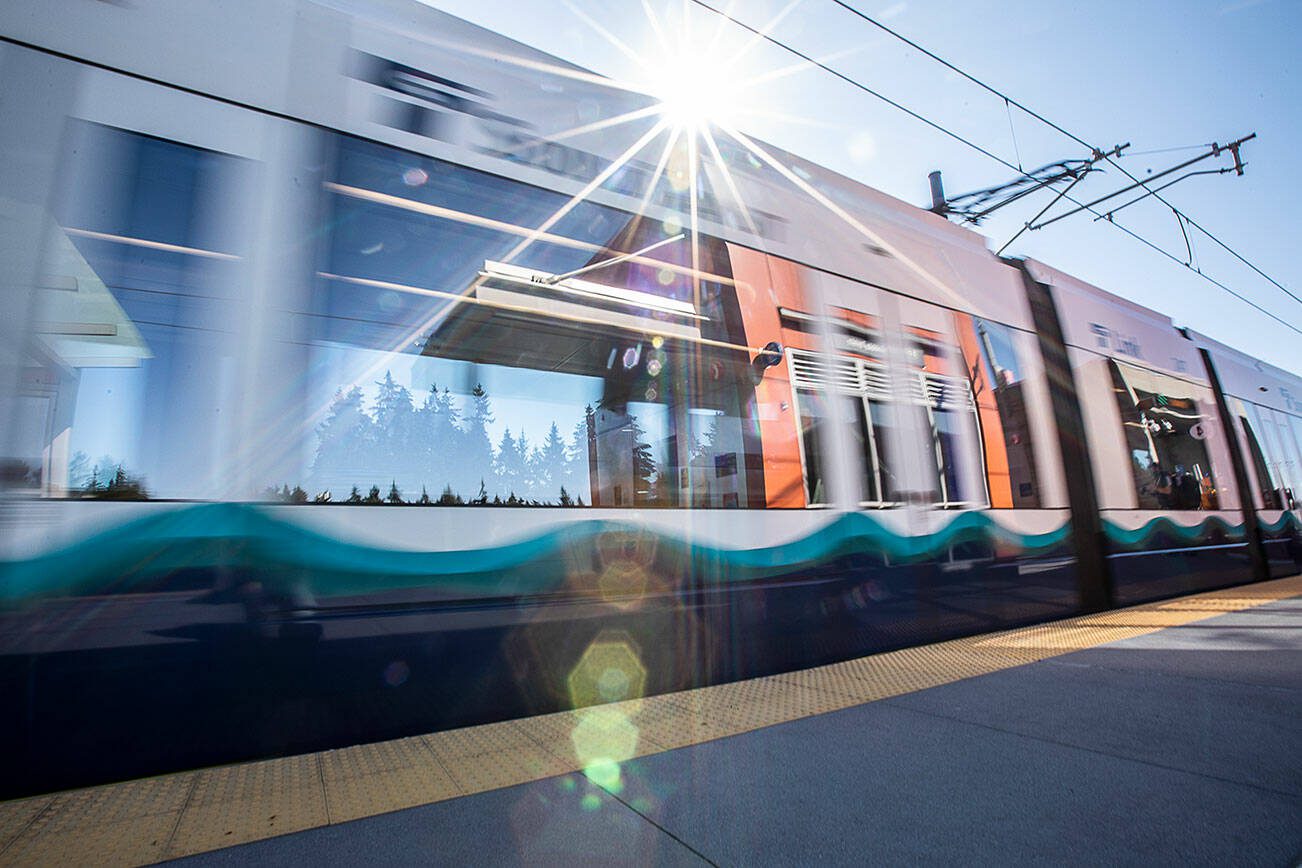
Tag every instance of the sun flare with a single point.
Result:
(695, 91)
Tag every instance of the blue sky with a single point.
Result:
(1160, 74)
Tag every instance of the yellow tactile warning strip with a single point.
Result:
(144, 821)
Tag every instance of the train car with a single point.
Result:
(1175, 512)
(1263, 405)
(382, 386)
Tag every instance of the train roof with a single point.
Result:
(1101, 322)
(1250, 379)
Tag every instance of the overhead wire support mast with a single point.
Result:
(1215, 151)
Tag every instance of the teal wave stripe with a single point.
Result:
(1285, 523)
(247, 537)
(1171, 532)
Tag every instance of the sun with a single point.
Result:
(695, 90)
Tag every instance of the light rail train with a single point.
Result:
(359, 381)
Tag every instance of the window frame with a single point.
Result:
(919, 388)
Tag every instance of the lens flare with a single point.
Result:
(622, 583)
(603, 739)
(396, 673)
(610, 670)
(605, 773)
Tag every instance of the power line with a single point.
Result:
(1010, 101)
(953, 135)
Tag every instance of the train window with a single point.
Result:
(1276, 441)
(1292, 472)
(875, 419)
(134, 321)
(1270, 491)
(1270, 441)
(1295, 489)
(952, 427)
(885, 424)
(998, 373)
(950, 415)
(454, 362)
(816, 419)
(1165, 427)
(819, 412)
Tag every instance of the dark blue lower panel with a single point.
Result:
(188, 673)
(1284, 556)
(1163, 559)
(1142, 576)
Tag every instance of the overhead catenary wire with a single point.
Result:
(986, 152)
(1075, 138)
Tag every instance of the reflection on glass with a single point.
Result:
(951, 429)
(1271, 442)
(885, 419)
(876, 420)
(123, 395)
(449, 379)
(1295, 486)
(998, 375)
(1165, 431)
(1270, 491)
(815, 420)
(817, 416)
(1289, 458)
(855, 420)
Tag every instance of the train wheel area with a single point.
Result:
(1168, 728)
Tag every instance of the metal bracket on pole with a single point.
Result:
(1155, 190)
(1094, 158)
(1215, 151)
(976, 206)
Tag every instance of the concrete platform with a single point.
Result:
(1169, 733)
